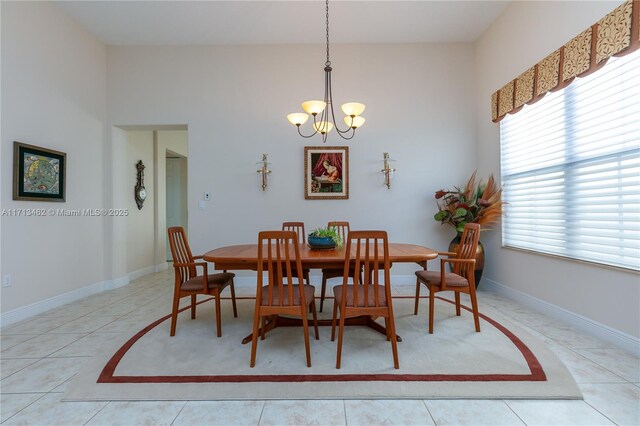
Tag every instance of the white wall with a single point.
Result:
(140, 223)
(515, 42)
(53, 95)
(234, 100)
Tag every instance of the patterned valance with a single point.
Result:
(616, 34)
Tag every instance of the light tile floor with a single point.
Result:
(41, 355)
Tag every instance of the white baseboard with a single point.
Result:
(148, 270)
(119, 282)
(141, 272)
(623, 340)
(37, 308)
(25, 312)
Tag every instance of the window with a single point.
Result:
(571, 169)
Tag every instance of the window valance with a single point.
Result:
(616, 34)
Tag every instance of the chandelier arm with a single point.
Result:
(333, 115)
(353, 133)
(306, 137)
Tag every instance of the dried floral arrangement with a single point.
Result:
(474, 202)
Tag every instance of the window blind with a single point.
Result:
(571, 169)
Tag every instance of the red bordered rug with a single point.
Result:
(501, 361)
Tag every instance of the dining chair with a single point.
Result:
(189, 283)
(461, 280)
(372, 298)
(343, 231)
(298, 228)
(281, 295)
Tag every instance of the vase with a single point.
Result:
(453, 247)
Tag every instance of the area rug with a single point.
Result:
(502, 361)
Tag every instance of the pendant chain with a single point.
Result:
(328, 63)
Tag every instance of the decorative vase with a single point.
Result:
(453, 246)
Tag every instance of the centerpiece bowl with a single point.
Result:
(321, 242)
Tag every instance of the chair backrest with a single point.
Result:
(298, 228)
(467, 247)
(342, 228)
(181, 253)
(279, 258)
(370, 249)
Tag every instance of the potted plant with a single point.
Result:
(475, 202)
(325, 237)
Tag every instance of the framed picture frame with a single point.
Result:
(39, 174)
(326, 172)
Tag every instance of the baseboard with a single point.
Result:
(141, 272)
(118, 282)
(616, 337)
(37, 308)
(25, 312)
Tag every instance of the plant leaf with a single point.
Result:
(441, 215)
(460, 212)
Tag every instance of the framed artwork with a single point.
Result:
(326, 172)
(38, 173)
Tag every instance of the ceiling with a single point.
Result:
(283, 22)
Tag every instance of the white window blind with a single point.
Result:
(571, 169)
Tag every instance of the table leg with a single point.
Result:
(280, 321)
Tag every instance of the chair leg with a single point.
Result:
(315, 318)
(263, 327)
(431, 309)
(254, 338)
(394, 342)
(333, 321)
(174, 312)
(474, 307)
(323, 290)
(233, 299)
(340, 336)
(305, 329)
(386, 327)
(216, 295)
(457, 295)
(306, 276)
(415, 309)
(193, 306)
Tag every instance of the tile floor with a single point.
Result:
(42, 354)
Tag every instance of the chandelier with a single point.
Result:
(327, 120)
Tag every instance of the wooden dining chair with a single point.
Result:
(461, 280)
(189, 283)
(343, 231)
(298, 228)
(372, 298)
(279, 260)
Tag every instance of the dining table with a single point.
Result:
(245, 257)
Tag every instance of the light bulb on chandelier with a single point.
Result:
(324, 119)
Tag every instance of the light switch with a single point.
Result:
(207, 196)
(201, 205)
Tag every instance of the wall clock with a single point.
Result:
(140, 192)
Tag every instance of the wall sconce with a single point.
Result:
(264, 171)
(387, 171)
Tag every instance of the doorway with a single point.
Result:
(176, 176)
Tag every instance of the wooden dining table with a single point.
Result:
(245, 257)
